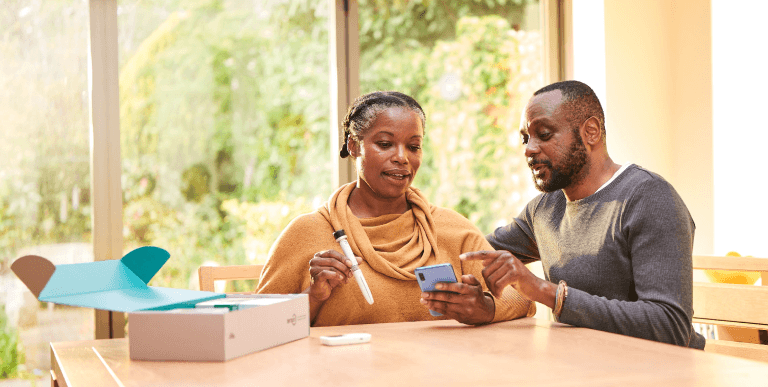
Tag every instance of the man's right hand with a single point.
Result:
(502, 268)
(328, 269)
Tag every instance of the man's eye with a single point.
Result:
(545, 135)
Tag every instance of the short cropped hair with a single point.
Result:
(580, 100)
(366, 108)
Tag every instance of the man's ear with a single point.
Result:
(591, 130)
(353, 147)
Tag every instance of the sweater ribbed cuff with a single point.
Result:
(512, 305)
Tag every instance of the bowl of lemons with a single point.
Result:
(732, 277)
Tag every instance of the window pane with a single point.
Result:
(472, 67)
(224, 127)
(45, 172)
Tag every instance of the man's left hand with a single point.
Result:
(464, 302)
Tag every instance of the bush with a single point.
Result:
(11, 355)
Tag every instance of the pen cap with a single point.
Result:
(339, 234)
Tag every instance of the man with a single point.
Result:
(615, 241)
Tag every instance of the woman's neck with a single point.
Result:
(364, 203)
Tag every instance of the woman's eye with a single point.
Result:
(385, 144)
(415, 148)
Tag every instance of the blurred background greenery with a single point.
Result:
(224, 117)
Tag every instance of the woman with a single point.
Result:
(391, 226)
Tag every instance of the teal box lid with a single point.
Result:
(116, 285)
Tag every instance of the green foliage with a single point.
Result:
(261, 223)
(196, 182)
(391, 23)
(45, 172)
(231, 232)
(14, 231)
(472, 78)
(193, 234)
(476, 152)
(234, 92)
(222, 104)
(11, 355)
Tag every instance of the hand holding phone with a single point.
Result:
(429, 276)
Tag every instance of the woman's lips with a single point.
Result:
(397, 175)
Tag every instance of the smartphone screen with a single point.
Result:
(429, 276)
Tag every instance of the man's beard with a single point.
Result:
(568, 172)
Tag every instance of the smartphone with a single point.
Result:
(346, 339)
(429, 276)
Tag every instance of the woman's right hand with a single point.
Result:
(327, 270)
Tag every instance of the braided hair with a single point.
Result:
(366, 108)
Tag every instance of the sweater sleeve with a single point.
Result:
(517, 237)
(659, 232)
(287, 268)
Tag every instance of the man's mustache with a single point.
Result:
(547, 163)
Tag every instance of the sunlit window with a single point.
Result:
(45, 183)
(472, 66)
(224, 127)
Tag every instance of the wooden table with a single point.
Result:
(526, 352)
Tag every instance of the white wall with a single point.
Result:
(740, 101)
(658, 97)
(588, 37)
(685, 90)
(692, 161)
(639, 83)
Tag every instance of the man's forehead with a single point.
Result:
(543, 105)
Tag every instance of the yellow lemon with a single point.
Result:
(732, 277)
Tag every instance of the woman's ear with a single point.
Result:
(353, 147)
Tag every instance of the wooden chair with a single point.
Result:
(735, 306)
(209, 274)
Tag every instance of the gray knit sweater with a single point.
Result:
(625, 252)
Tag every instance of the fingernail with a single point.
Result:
(424, 295)
(423, 301)
(439, 286)
(462, 256)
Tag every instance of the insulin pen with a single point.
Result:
(341, 237)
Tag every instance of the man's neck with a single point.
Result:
(595, 175)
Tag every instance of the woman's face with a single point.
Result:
(389, 154)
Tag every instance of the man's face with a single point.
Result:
(553, 146)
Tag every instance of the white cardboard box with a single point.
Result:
(191, 336)
(155, 331)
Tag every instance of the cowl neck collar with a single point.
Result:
(393, 244)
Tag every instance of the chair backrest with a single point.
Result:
(732, 306)
(209, 274)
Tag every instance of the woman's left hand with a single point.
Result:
(466, 303)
